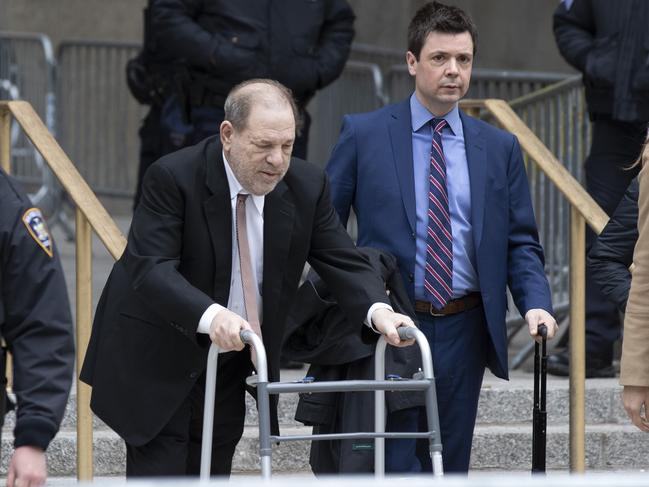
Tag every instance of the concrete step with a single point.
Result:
(110, 454)
(608, 447)
(501, 402)
(504, 447)
(495, 447)
(502, 438)
(506, 402)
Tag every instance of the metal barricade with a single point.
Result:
(384, 57)
(359, 89)
(485, 83)
(558, 115)
(98, 119)
(27, 72)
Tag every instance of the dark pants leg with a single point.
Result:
(615, 146)
(459, 347)
(176, 450)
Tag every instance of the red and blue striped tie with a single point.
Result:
(438, 278)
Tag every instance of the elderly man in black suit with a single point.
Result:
(217, 245)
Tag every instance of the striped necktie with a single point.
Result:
(438, 278)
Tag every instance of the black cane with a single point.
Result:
(539, 416)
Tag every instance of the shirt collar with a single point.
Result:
(236, 188)
(420, 116)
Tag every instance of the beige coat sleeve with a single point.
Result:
(635, 348)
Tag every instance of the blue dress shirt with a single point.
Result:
(465, 279)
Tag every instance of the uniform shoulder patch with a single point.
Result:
(37, 228)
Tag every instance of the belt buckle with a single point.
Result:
(433, 311)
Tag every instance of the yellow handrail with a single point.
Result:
(583, 210)
(90, 214)
(62, 167)
(573, 191)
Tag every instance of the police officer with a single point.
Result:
(209, 46)
(36, 325)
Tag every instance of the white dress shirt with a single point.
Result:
(255, 228)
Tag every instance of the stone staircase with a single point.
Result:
(502, 438)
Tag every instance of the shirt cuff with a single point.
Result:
(209, 314)
(373, 308)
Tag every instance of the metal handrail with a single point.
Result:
(90, 215)
(584, 210)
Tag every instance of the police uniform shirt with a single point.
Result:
(35, 319)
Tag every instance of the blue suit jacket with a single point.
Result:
(371, 169)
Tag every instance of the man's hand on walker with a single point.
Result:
(386, 322)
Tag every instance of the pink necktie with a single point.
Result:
(245, 265)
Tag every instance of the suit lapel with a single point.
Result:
(477, 160)
(279, 215)
(218, 215)
(400, 128)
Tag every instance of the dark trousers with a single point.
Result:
(176, 450)
(615, 146)
(459, 348)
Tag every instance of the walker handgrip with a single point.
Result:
(246, 336)
(407, 332)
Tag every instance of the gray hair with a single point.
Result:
(240, 100)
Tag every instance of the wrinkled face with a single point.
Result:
(443, 71)
(260, 152)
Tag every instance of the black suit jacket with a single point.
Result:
(144, 354)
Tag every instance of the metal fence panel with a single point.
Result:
(384, 57)
(98, 118)
(558, 116)
(485, 83)
(359, 89)
(27, 69)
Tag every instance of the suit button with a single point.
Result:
(235, 39)
(193, 375)
(411, 277)
(412, 234)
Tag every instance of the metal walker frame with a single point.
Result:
(378, 385)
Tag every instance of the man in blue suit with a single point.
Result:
(447, 194)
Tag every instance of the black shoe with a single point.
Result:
(559, 364)
(285, 363)
(599, 368)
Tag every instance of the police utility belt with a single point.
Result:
(454, 306)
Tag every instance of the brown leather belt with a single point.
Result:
(454, 306)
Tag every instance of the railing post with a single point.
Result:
(84, 322)
(5, 139)
(577, 430)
